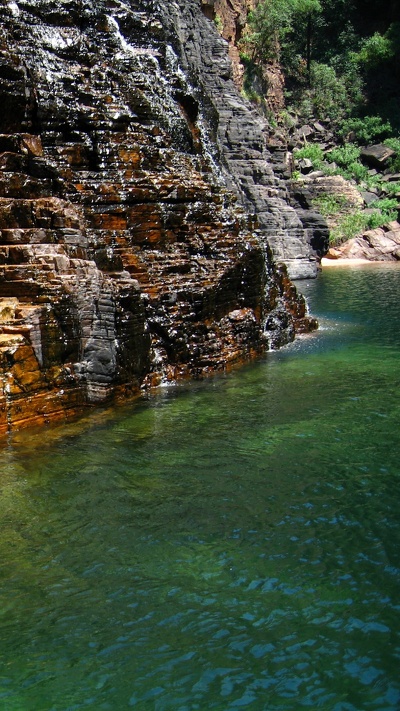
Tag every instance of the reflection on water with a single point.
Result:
(231, 545)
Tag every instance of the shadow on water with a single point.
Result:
(233, 544)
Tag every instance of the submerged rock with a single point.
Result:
(130, 171)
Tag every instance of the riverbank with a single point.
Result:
(341, 262)
(345, 262)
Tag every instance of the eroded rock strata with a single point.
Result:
(253, 158)
(126, 257)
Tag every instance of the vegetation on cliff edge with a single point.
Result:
(337, 63)
(341, 64)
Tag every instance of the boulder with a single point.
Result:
(369, 197)
(305, 165)
(374, 245)
(377, 155)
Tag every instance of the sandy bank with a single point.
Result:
(349, 262)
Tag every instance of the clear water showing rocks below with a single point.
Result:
(230, 545)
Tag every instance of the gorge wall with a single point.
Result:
(254, 160)
(130, 175)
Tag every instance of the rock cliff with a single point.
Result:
(130, 173)
(256, 157)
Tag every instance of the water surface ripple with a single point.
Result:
(233, 544)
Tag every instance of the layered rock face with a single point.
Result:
(125, 258)
(230, 17)
(256, 160)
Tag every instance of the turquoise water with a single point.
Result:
(235, 544)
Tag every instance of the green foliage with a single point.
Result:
(269, 23)
(349, 226)
(385, 210)
(338, 68)
(348, 164)
(347, 158)
(272, 21)
(392, 188)
(356, 171)
(351, 223)
(369, 129)
(218, 23)
(375, 50)
(327, 92)
(394, 164)
(252, 84)
(244, 55)
(312, 152)
(286, 119)
(305, 8)
(296, 175)
(329, 205)
(333, 58)
(393, 34)
(394, 144)
(355, 223)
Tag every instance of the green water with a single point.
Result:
(231, 545)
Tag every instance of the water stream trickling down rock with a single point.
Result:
(131, 172)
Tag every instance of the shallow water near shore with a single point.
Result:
(232, 544)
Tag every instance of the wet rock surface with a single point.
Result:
(126, 258)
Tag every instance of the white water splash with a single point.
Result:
(14, 8)
(125, 46)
